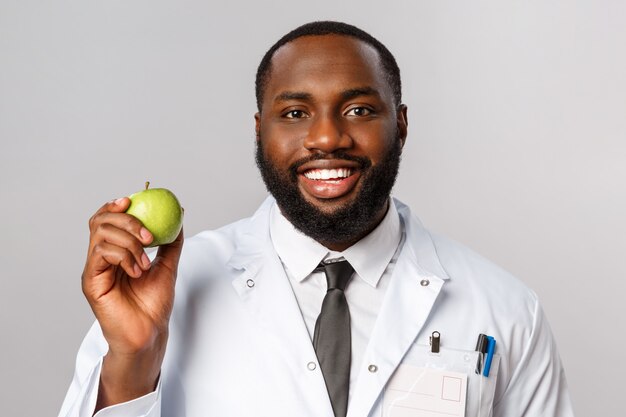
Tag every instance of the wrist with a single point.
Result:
(125, 377)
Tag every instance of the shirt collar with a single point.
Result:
(369, 256)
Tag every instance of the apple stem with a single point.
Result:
(147, 184)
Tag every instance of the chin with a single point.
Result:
(330, 205)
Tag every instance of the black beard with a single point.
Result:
(351, 221)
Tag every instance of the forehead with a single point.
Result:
(325, 63)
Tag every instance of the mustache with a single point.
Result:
(362, 161)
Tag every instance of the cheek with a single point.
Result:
(374, 141)
(282, 144)
(281, 153)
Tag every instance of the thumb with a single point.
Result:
(168, 255)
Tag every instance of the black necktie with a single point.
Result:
(331, 339)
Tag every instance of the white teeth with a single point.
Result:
(326, 174)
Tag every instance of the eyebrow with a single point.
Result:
(293, 95)
(346, 94)
(356, 92)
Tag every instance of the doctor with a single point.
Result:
(247, 321)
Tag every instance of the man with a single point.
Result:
(259, 327)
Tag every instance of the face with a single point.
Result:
(329, 137)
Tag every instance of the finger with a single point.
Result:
(107, 254)
(168, 255)
(121, 221)
(123, 239)
(118, 205)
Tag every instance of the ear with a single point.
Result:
(257, 125)
(402, 122)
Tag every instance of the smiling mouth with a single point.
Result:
(329, 183)
(335, 175)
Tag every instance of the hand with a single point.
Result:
(131, 298)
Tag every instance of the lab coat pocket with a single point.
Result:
(430, 384)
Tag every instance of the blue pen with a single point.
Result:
(491, 347)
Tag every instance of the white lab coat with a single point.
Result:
(238, 345)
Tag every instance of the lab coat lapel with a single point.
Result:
(409, 299)
(264, 288)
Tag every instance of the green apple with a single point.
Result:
(159, 211)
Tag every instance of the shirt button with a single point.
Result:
(372, 368)
(424, 282)
(250, 283)
(311, 366)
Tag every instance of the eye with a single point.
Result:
(294, 114)
(359, 112)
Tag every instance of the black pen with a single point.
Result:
(481, 347)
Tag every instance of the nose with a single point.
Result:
(326, 134)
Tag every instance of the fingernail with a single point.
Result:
(137, 270)
(118, 201)
(145, 260)
(145, 234)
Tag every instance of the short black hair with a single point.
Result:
(320, 28)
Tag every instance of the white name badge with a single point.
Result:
(425, 392)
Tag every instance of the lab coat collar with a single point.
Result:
(249, 255)
(421, 243)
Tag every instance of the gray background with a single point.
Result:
(516, 148)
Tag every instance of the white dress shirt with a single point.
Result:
(373, 259)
